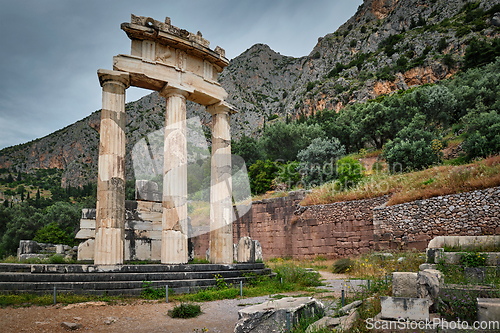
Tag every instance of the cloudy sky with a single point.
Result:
(50, 50)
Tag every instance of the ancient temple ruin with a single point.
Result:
(180, 66)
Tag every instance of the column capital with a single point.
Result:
(169, 90)
(222, 107)
(106, 75)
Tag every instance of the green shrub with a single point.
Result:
(52, 233)
(185, 310)
(262, 175)
(247, 148)
(449, 61)
(473, 259)
(484, 135)
(342, 265)
(318, 160)
(289, 174)
(412, 147)
(353, 43)
(336, 70)
(316, 55)
(385, 74)
(350, 172)
(442, 44)
(56, 259)
(401, 64)
(150, 292)
(310, 85)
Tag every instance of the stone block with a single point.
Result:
(26, 256)
(488, 309)
(71, 326)
(277, 315)
(142, 250)
(404, 284)
(419, 245)
(59, 249)
(429, 282)
(246, 250)
(395, 308)
(235, 252)
(85, 234)
(475, 274)
(86, 250)
(325, 322)
(147, 190)
(89, 213)
(87, 224)
(28, 246)
(432, 255)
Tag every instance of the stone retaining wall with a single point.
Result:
(285, 229)
(468, 214)
(335, 230)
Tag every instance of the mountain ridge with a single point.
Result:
(387, 45)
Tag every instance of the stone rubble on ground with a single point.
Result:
(71, 326)
(277, 315)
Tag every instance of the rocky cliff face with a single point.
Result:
(386, 46)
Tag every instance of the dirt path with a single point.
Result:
(217, 317)
(139, 316)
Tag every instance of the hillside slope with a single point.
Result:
(386, 46)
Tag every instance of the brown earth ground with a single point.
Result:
(136, 316)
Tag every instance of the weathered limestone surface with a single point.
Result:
(174, 221)
(246, 250)
(86, 250)
(404, 284)
(221, 207)
(272, 316)
(428, 284)
(405, 307)
(488, 309)
(110, 236)
(258, 250)
(147, 191)
(464, 242)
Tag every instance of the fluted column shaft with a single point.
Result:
(221, 208)
(110, 219)
(174, 244)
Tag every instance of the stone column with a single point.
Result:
(174, 241)
(221, 207)
(110, 219)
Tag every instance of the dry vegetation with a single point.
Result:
(407, 187)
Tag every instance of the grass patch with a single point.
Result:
(374, 265)
(407, 187)
(185, 310)
(48, 299)
(342, 265)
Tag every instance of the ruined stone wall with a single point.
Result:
(270, 221)
(285, 229)
(335, 230)
(464, 214)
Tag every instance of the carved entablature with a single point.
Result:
(146, 28)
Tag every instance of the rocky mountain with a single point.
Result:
(388, 45)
